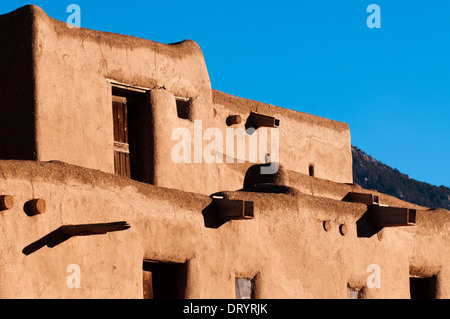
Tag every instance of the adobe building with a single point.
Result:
(107, 190)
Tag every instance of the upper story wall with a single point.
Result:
(59, 105)
(74, 69)
(304, 139)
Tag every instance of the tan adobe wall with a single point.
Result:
(65, 111)
(73, 67)
(304, 138)
(285, 246)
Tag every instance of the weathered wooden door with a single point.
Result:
(148, 284)
(121, 139)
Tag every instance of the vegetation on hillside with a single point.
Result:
(372, 174)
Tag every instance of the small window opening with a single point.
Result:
(422, 288)
(311, 170)
(353, 293)
(376, 200)
(245, 288)
(183, 108)
(164, 280)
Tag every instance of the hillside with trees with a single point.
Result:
(372, 174)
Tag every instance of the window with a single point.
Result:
(164, 280)
(311, 170)
(422, 288)
(245, 288)
(353, 293)
(133, 136)
(183, 108)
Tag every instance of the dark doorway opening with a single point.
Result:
(164, 280)
(423, 288)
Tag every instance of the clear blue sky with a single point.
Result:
(391, 85)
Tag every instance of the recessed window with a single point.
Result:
(422, 288)
(183, 108)
(354, 293)
(311, 169)
(245, 288)
(164, 280)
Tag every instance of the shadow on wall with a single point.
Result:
(365, 227)
(65, 232)
(211, 216)
(222, 209)
(51, 240)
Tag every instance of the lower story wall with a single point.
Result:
(285, 249)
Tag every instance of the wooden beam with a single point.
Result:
(259, 120)
(385, 216)
(37, 206)
(93, 229)
(233, 119)
(127, 87)
(233, 209)
(6, 202)
(365, 198)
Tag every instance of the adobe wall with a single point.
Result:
(304, 139)
(285, 246)
(62, 108)
(73, 68)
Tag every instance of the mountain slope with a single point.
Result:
(372, 174)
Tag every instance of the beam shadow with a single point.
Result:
(365, 227)
(211, 217)
(65, 232)
(50, 240)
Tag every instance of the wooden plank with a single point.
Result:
(119, 99)
(147, 284)
(384, 216)
(127, 165)
(120, 137)
(120, 121)
(127, 87)
(94, 229)
(116, 120)
(117, 163)
(125, 123)
(122, 164)
(122, 147)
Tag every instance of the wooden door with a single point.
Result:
(121, 140)
(148, 285)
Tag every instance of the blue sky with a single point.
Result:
(391, 85)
